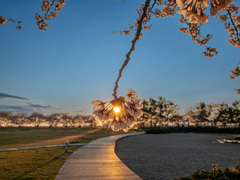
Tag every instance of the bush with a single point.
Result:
(194, 129)
(215, 174)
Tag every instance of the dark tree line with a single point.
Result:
(215, 114)
(162, 112)
(158, 112)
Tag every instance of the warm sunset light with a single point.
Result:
(116, 109)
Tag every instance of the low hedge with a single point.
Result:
(198, 129)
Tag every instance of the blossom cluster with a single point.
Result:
(46, 7)
(194, 30)
(236, 73)
(167, 8)
(119, 113)
(4, 21)
(232, 24)
(193, 10)
(209, 52)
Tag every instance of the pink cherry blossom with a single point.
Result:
(129, 109)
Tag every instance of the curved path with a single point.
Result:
(171, 156)
(97, 160)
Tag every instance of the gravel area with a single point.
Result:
(170, 156)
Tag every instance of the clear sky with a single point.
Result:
(76, 60)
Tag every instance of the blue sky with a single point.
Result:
(76, 60)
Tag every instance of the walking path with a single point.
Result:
(34, 147)
(97, 161)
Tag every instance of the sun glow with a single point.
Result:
(116, 109)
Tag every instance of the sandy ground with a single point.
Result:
(170, 156)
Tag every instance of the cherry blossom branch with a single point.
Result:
(4, 21)
(194, 30)
(48, 9)
(234, 25)
(137, 37)
(46, 6)
(155, 1)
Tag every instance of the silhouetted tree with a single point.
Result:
(53, 119)
(236, 112)
(190, 117)
(37, 118)
(65, 119)
(203, 112)
(161, 109)
(144, 118)
(79, 120)
(19, 119)
(177, 118)
(171, 109)
(152, 112)
(5, 118)
(223, 114)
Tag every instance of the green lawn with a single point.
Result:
(41, 163)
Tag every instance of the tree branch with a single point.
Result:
(235, 28)
(137, 37)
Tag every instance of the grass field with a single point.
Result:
(41, 163)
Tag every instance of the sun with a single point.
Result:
(116, 109)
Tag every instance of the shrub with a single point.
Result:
(194, 129)
(215, 174)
